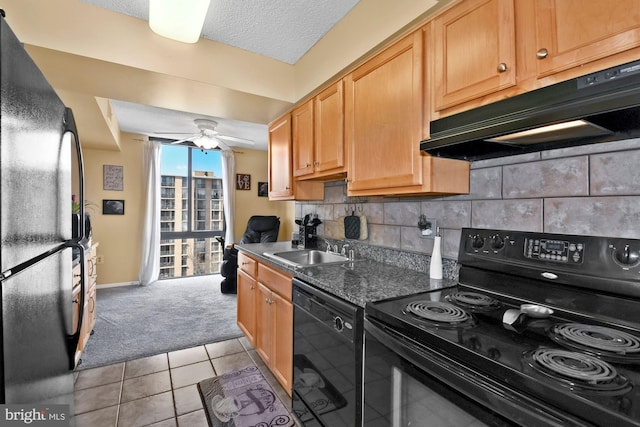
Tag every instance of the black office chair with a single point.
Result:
(260, 229)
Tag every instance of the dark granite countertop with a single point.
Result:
(358, 282)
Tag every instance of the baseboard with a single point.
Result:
(115, 285)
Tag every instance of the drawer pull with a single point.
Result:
(542, 53)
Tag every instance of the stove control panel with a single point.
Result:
(554, 250)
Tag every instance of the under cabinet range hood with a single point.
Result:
(598, 107)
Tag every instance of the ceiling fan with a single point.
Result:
(208, 138)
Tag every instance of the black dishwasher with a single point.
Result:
(327, 358)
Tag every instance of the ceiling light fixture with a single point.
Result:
(178, 19)
(206, 142)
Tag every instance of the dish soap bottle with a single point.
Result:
(435, 265)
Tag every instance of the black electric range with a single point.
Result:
(552, 319)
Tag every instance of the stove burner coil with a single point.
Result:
(598, 337)
(473, 300)
(578, 371)
(438, 311)
(607, 343)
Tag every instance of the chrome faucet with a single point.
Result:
(343, 251)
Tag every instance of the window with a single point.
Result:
(191, 214)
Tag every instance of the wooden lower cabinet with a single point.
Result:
(265, 317)
(89, 313)
(247, 294)
(275, 334)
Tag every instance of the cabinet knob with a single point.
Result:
(542, 53)
(287, 188)
(308, 164)
(316, 163)
(502, 67)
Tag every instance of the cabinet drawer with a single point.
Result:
(246, 264)
(275, 280)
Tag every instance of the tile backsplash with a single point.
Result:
(591, 189)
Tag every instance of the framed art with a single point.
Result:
(113, 207)
(263, 189)
(243, 181)
(113, 177)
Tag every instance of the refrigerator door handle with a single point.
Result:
(70, 126)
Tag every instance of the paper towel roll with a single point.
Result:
(435, 266)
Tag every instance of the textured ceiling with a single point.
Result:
(281, 29)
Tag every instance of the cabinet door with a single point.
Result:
(383, 117)
(329, 130)
(575, 32)
(302, 139)
(88, 320)
(280, 177)
(264, 324)
(247, 293)
(474, 51)
(283, 342)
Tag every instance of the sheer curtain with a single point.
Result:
(150, 264)
(229, 200)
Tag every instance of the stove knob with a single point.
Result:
(625, 256)
(497, 242)
(477, 242)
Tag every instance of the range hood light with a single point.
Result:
(178, 20)
(555, 132)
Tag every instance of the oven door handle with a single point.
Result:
(499, 397)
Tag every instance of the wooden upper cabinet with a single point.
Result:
(280, 177)
(329, 149)
(317, 134)
(474, 51)
(281, 183)
(302, 138)
(383, 117)
(571, 33)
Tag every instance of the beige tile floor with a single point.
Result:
(160, 390)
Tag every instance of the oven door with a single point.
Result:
(406, 384)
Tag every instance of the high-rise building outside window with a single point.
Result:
(191, 215)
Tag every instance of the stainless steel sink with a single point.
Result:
(306, 257)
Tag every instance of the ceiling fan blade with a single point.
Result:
(235, 139)
(173, 133)
(222, 145)
(191, 138)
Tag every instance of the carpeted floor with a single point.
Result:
(168, 315)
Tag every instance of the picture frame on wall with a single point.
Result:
(243, 181)
(113, 207)
(263, 189)
(113, 177)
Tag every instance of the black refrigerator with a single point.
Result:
(37, 142)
